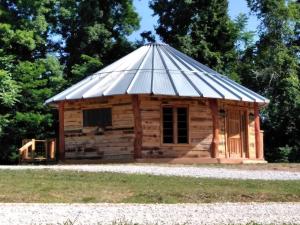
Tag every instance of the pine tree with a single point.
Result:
(199, 28)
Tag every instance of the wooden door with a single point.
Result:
(234, 133)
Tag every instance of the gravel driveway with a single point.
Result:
(189, 171)
(192, 214)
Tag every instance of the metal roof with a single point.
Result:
(158, 69)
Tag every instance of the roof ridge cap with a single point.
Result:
(156, 44)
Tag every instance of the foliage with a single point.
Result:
(94, 33)
(28, 74)
(271, 67)
(46, 45)
(201, 29)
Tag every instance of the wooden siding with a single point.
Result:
(222, 136)
(112, 142)
(118, 141)
(252, 151)
(200, 128)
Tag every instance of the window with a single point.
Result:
(175, 125)
(97, 117)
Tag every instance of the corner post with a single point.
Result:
(213, 105)
(61, 131)
(258, 149)
(138, 132)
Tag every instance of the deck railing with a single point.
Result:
(37, 150)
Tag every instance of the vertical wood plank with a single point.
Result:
(213, 104)
(257, 132)
(61, 131)
(138, 131)
(32, 149)
(52, 149)
(247, 133)
(226, 136)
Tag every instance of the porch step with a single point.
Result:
(254, 161)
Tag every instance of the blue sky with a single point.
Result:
(148, 21)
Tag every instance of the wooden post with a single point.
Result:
(32, 149)
(138, 131)
(257, 132)
(52, 149)
(61, 131)
(213, 104)
(247, 134)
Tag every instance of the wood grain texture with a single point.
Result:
(213, 104)
(259, 154)
(137, 126)
(200, 128)
(61, 151)
(136, 130)
(108, 143)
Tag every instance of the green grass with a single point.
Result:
(70, 187)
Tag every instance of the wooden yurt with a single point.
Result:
(157, 104)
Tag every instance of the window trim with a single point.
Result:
(175, 128)
(96, 108)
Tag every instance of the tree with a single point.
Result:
(271, 67)
(28, 74)
(46, 45)
(94, 33)
(201, 29)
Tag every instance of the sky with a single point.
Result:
(148, 21)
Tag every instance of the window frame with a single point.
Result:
(175, 124)
(98, 108)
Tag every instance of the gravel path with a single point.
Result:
(192, 214)
(189, 171)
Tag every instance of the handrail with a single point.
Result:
(26, 146)
(30, 146)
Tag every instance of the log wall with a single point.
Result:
(200, 132)
(117, 141)
(114, 142)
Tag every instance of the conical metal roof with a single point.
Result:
(158, 69)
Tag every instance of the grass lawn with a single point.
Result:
(70, 187)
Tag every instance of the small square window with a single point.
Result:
(97, 117)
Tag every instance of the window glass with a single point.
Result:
(182, 125)
(97, 117)
(168, 131)
(175, 125)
